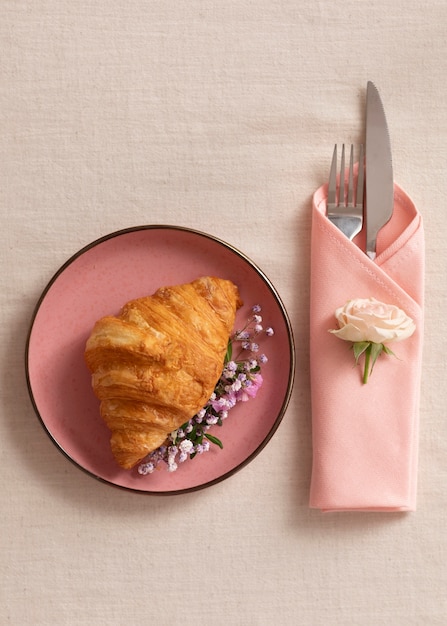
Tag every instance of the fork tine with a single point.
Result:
(341, 192)
(351, 179)
(332, 186)
(345, 209)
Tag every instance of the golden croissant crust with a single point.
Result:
(156, 364)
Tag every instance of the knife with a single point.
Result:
(379, 196)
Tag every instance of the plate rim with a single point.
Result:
(284, 314)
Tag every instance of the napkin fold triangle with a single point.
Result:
(365, 436)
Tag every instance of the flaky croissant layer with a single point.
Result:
(156, 364)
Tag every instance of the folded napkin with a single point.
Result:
(365, 436)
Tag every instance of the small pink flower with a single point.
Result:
(250, 389)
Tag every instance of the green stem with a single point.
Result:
(367, 362)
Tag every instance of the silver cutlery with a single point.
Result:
(344, 209)
(379, 192)
(374, 180)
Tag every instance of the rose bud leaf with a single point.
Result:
(359, 348)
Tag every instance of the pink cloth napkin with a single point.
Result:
(365, 437)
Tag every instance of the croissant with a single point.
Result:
(156, 364)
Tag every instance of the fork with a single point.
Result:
(346, 214)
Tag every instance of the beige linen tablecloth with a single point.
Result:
(219, 116)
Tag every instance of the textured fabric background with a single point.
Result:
(219, 116)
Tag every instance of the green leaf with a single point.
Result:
(376, 351)
(229, 352)
(214, 439)
(359, 348)
(387, 350)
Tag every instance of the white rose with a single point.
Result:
(370, 320)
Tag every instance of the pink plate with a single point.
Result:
(97, 281)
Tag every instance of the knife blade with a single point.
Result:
(379, 188)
